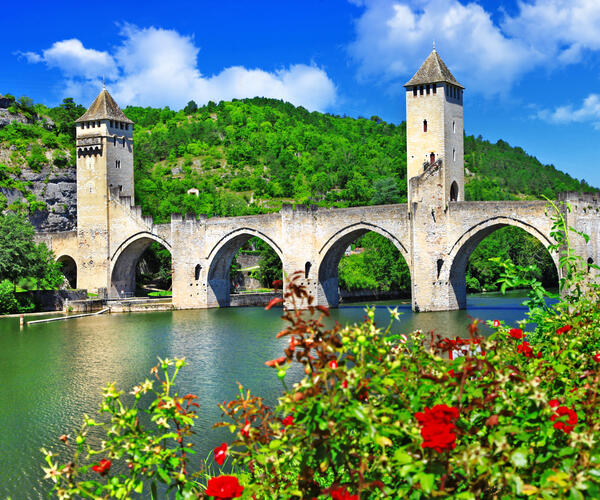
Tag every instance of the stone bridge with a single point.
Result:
(435, 232)
(435, 241)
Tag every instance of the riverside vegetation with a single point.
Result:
(376, 415)
(250, 156)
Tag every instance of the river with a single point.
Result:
(52, 373)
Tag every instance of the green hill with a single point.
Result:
(250, 156)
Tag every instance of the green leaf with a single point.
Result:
(426, 482)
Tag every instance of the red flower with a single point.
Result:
(437, 427)
(276, 362)
(563, 329)
(525, 349)
(224, 487)
(246, 429)
(342, 493)
(597, 357)
(220, 453)
(289, 420)
(516, 333)
(553, 403)
(274, 302)
(103, 467)
(496, 323)
(333, 364)
(345, 384)
(567, 426)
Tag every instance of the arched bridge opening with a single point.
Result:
(69, 270)
(140, 260)
(472, 271)
(361, 262)
(245, 262)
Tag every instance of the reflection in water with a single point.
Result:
(53, 373)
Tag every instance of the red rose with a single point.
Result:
(516, 333)
(224, 487)
(289, 420)
(567, 426)
(342, 493)
(345, 384)
(437, 427)
(220, 453)
(563, 329)
(246, 429)
(553, 403)
(525, 349)
(597, 357)
(103, 467)
(496, 323)
(333, 364)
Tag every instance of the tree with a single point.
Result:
(17, 249)
(190, 108)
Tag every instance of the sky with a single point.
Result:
(531, 68)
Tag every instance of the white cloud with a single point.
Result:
(73, 59)
(588, 111)
(158, 67)
(394, 36)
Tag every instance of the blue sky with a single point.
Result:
(531, 68)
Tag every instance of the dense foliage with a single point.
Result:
(378, 415)
(22, 261)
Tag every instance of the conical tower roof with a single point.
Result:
(433, 70)
(104, 108)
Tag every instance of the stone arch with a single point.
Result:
(220, 259)
(69, 269)
(333, 249)
(124, 261)
(465, 245)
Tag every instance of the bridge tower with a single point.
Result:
(434, 129)
(104, 169)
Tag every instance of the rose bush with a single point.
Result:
(386, 416)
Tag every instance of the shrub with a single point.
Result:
(8, 301)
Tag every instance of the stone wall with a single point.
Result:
(53, 300)
(253, 299)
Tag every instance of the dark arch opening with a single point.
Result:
(197, 270)
(245, 264)
(473, 272)
(361, 265)
(454, 191)
(69, 270)
(143, 268)
(307, 267)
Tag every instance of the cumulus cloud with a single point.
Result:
(393, 37)
(73, 59)
(158, 67)
(588, 111)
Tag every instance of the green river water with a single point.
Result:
(52, 373)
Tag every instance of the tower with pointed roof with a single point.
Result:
(104, 172)
(434, 129)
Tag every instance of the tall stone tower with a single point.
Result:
(434, 128)
(104, 170)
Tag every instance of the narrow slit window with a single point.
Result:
(424, 125)
(114, 140)
(117, 163)
(421, 90)
(414, 91)
(123, 141)
(427, 89)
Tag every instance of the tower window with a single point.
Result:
(421, 90)
(111, 124)
(121, 125)
(454, 127)
(114, 140)
(427, 89)
(434, 87)
(424, 125)
(453, 154)
(432, 158)
(414, 91)
(127, 126)
(123, 141)
(117, 163)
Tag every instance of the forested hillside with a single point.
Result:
(250, 156)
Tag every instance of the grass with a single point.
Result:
(161, 293)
